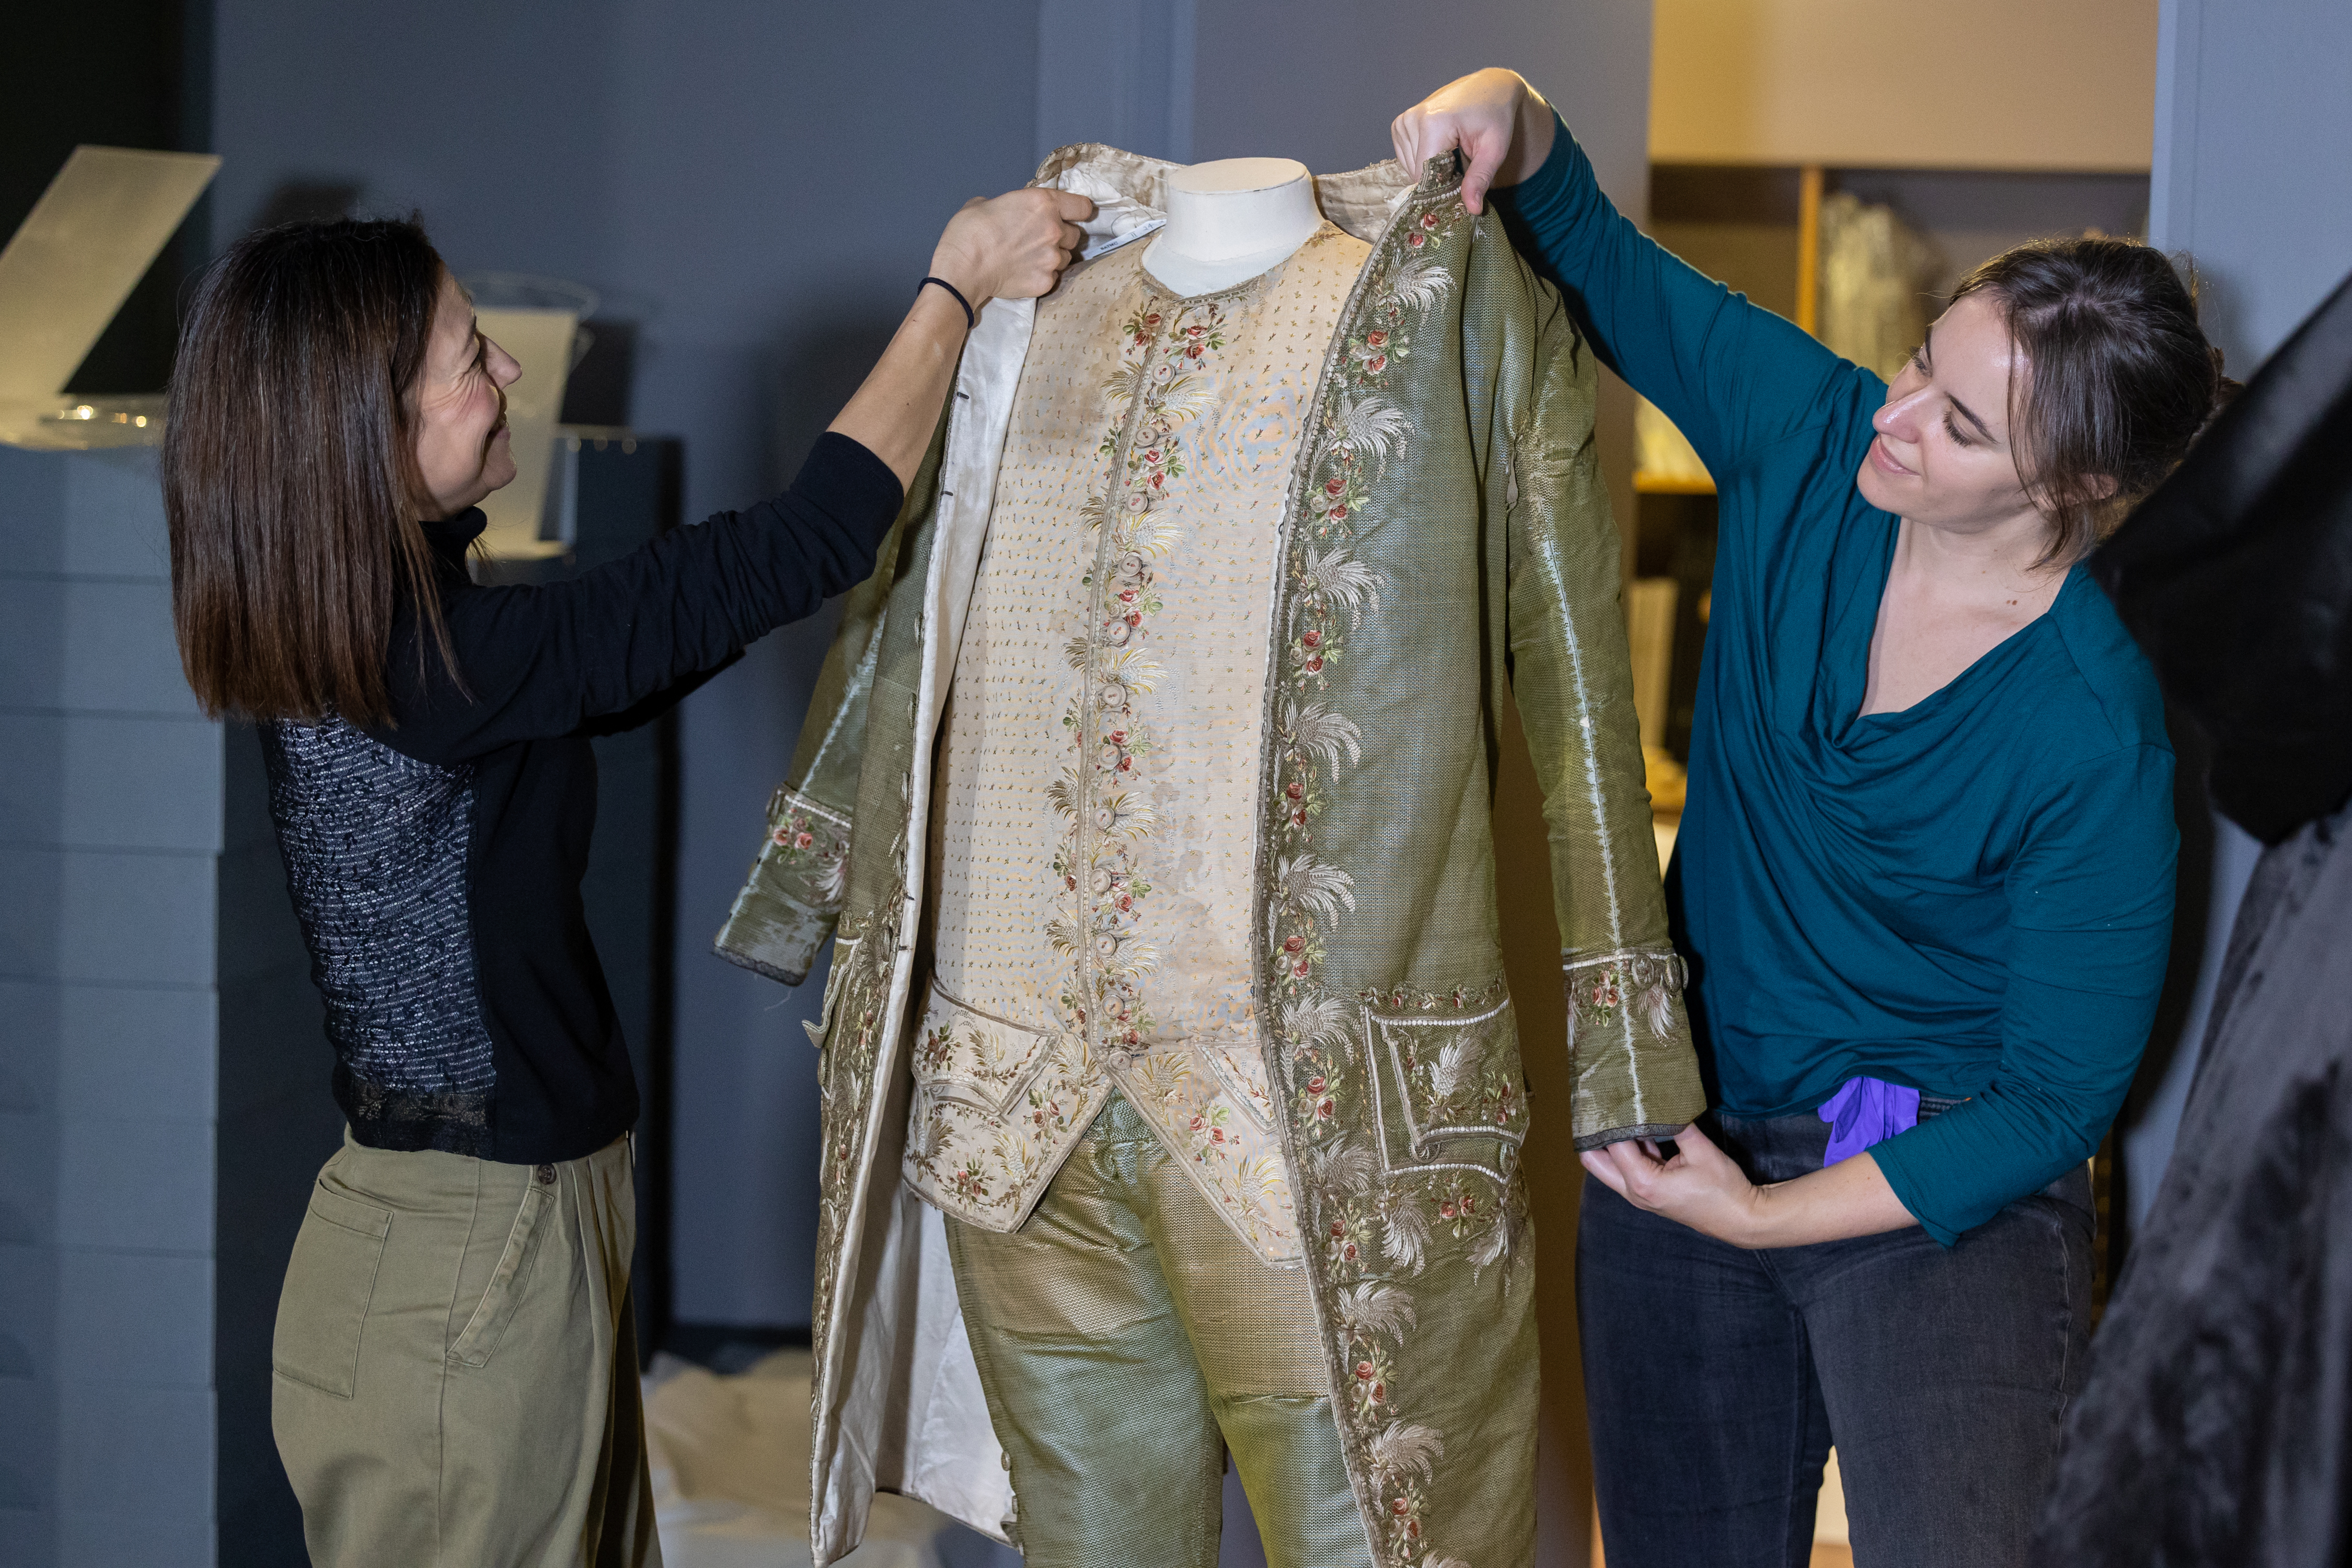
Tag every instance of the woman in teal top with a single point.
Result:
(1923, 879)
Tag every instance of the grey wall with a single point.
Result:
(2253, 117)
(2251, 180)
(110, 814)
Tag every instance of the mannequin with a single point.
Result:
(1229, 220)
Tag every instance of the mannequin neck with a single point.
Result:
(1229, 220)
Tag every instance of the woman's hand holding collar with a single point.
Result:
(1502, 125)
(1012, 246)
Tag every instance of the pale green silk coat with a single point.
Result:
(1471, 495)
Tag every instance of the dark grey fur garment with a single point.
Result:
(2215, 1427)
(376, 849)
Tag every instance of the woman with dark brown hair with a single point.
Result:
(455, 1366)
(1923, 881)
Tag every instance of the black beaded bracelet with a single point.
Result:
(970, 319)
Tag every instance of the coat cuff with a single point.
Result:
(1629, 1042)
(794, 895)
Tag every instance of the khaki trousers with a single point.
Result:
(456, 1375)
(1125, 1339)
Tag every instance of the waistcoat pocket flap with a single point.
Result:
(961, 1053)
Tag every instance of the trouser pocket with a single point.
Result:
(329, 1281)
(479, 1341)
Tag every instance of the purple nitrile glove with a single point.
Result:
(1866, 1110)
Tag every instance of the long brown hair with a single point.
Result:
(2121, 378)
(289, 473)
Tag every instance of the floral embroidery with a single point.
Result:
(1329, 595)
(1155, 389)
(993, 1108)
(803, 836)
(962, 1049)
(984, 1165)
(845, 1072)
(1463, 1084)
(1365, 1220)
(1601, 986)
(1234, 1161)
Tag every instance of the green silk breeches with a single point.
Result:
(1127, 1339)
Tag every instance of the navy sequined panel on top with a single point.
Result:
(377, 847)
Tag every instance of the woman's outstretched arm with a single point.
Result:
(544, 661)
(1733, 376)
(1012, 247)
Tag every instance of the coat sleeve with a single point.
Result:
(792, 897)
(1635, 1070)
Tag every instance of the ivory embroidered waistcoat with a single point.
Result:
(1100, 754)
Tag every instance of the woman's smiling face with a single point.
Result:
(460, 401)
(1943, 456)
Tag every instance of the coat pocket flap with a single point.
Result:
(1455, 1076)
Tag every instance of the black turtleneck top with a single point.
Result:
(435, 861)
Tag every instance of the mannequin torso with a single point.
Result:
(1229, 220)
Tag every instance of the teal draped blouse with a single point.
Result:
(1972, 897)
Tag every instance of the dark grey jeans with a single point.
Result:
(1718, 1378)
